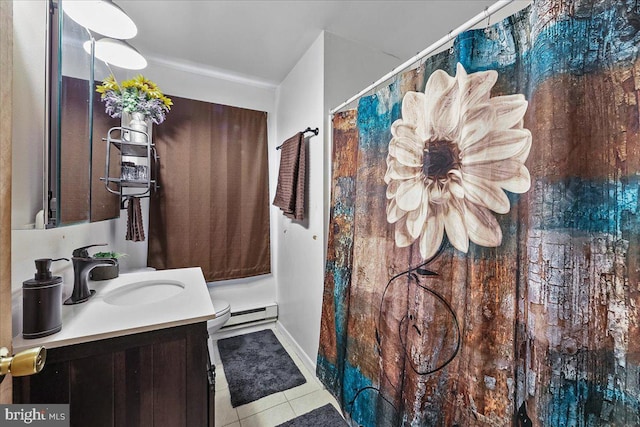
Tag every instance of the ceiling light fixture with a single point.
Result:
(118, 53)
(101, 16)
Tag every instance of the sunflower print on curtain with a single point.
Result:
(483, 265)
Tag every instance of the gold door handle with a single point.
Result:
(27, 362)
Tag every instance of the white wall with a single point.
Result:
(29, 48)
(350, 66)
(300, 245)
(331, 71)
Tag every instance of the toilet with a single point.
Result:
(223, 313)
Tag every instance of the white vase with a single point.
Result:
(137, 122)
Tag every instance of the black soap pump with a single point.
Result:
(42, 301)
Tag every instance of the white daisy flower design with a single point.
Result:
(452, 155)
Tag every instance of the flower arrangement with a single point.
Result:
(136, 95)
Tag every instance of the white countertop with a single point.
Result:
(111, 313)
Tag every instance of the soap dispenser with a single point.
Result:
(42, 301)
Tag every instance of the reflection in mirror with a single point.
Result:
(78, 124)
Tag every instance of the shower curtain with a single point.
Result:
(483, 263)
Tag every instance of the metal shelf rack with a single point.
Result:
(133, 145)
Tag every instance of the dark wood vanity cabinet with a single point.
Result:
(158, 378)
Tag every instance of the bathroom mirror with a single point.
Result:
(78, 123)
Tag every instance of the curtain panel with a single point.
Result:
(82, 196)
(73, 199)
(212, 208)
(483, 259)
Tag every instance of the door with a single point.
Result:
(6, 71)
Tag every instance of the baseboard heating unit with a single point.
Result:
(254, 316)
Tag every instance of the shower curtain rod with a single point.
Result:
(485, 14)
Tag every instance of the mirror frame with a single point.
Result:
(46, 204)
(55, 192)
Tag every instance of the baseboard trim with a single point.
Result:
(306, 360)
(242, 329)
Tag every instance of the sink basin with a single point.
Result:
(145, 292)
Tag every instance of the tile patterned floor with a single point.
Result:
(275, 408)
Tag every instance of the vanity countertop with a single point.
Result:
(129, 304)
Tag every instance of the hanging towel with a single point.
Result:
(291, 178)
(135, 229)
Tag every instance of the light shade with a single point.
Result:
(101, 16)
(118, 53)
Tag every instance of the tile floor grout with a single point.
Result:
(267, 417)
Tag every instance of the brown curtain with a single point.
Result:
(73, 200)
(212, 209)
(104, 205)
(80, 200)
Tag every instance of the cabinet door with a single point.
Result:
(159, 381)
(91, 391)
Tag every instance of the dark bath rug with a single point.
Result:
(256, 365)
(324, 416)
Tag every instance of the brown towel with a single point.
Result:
(135, 228)
(290, 190)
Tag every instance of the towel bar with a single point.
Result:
(315, 132)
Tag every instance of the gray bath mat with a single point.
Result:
(256, 365)
(324, 416)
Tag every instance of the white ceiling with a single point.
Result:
(263, 39)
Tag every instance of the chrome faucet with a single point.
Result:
(82, 266)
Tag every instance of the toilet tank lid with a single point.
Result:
(220, 306)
